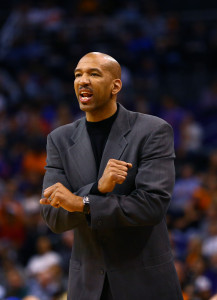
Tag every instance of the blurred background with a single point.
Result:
(168, 53)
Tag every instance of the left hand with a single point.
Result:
(58, 195)
(115, 173)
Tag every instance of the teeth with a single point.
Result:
(85, 94)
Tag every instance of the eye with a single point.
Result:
(94, 74)
(77, 75)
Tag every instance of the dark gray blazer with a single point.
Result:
(127, 234)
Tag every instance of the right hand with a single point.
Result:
(115, 173)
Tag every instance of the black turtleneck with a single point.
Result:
(98, 133)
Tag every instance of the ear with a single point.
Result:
(117, 85)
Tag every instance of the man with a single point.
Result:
(109, 177)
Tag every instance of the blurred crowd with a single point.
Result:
(169, 65)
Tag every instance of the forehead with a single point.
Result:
(92, 62)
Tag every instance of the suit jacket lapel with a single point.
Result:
(83, 163)
(82, 160)
(116, 142)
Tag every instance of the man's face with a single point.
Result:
(93, 84)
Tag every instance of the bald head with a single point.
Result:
(97, 84)
(108, 62)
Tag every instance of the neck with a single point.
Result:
(101, 114)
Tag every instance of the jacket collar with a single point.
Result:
(82, 153)
(116, 142)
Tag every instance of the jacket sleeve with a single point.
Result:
(154, 181)
(59, 219)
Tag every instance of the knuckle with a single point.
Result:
(110, 163)
(57, 194)
(113, 176)
(123, 176)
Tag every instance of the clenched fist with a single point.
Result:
(114, 173)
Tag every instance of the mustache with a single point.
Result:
(85, 89)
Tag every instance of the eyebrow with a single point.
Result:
(89, 70)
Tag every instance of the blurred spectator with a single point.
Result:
(48, 284)
(191, 136)
(12, 229)
(174, 115)
(44, 271)
(194, 259)
(212, 167)
(208, 100)
(203, 288)
(16, 283)
(211, 272)
(44, 259)
(65, 249)
(88, 7)
(196, 45)
(153, 23)
(185, 186)
(209, 246)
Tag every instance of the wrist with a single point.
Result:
(79, 204)
(100, 188)
(105, 188)
(86, 205)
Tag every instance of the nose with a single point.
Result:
(84, 79)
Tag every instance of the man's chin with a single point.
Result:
(85, 107)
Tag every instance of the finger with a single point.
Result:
(117, 177)
(44, 201)
(120, 179)
(120, 168)
(55, 199)
(49, 191)
(117, 171)
(52, 196)
(120, 163)
(122, 173)
(117, 168)
(56, 205)
(52, 187)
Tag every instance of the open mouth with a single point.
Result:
(85, 96)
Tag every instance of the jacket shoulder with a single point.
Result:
(65, 130)
(150, 122)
